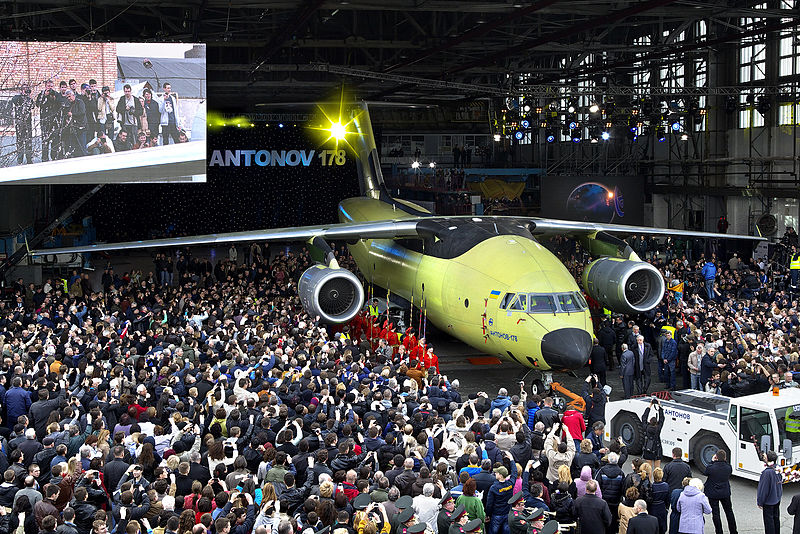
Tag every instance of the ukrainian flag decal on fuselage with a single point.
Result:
(494, 294)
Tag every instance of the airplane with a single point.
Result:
(485, 280)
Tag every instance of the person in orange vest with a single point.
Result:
(418, 351)
(430, 360)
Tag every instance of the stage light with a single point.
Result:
(573, 125)
(252, 125)
(610, 195)
(676, 126)
(661, 134)
(572, 105)
(684, 137)
(594, 140)
(576, 139)
(551, 138)
(594, 108)
(764, 105)
(238, 125)
(525, 123)
(605, 136)
(432, 164)
(338, 131)
(526, 108)
(280, 125)
(415, 164)
(518, 135)
(497, 138)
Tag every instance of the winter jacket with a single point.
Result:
(610, 479)
(595, 405)
(499, 493)
(674, 473)
(573, 420)
(18, 402)
(584, 459)
(669, 351)
(521, 453)
(770, 487)
(404, 481)
(718, 483)
(561, 503)
(556, 459)
(7, 492)
(532, 409)
(692, 505)
(580, 482)
(502, 402)
(492, 452)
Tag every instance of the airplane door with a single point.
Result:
(752, 426)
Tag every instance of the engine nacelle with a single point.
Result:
(624, 286)
(336, 295)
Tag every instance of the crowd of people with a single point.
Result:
(210, 402)
(78, 120)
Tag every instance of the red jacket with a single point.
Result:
(573, 420)
(430, 360)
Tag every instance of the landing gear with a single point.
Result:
(541, 382)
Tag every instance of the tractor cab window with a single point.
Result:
(754, 424)
(788, 424)
(507, 298)
(520, 303)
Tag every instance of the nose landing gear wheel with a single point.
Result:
(537, 387)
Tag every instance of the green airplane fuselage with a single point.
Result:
(463, 295)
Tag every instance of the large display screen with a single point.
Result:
(604, 199)
(102, 112)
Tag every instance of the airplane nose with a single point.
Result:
(566, 348)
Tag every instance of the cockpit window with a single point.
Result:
(520, 303)
(568, 302)
(581, 301)
(542, 304)
(507, 298)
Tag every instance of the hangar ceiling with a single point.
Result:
(404, 50)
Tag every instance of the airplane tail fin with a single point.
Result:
(369, 167)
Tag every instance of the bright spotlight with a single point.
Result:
(497, 138)
(573, 125)
(684, 137)
(518, 135)
(415, 164)
(576, 139)
(338, 131)
(571, 108)
(605, 136)
(610, 194)
(551, 138)
(280, 125)
(594, 108)
(432, 164)
(526, 108)
(525, 123)
(676, 126)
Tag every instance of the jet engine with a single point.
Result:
(334, 294)
(624, 286)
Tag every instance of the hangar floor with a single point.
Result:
(453, 362)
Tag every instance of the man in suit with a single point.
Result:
(642, 352)
(197, 471)
(115, 469)
(627, 369)
(642, 522)
(593, 514)
(598, 362)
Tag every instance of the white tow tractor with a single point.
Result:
(701, 423)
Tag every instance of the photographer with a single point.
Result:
(651, 450)
(50, 103)
(129, 112)
(105, 112)
(77, 125)
(23, 105)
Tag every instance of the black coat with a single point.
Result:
(643, 523)
(199, 472)
(718, 483)
(593, 514)
(794, 509)
(674, 473)
(648, 354)
(598, 359)
(113, 473)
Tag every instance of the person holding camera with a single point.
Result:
(49, 102)
(651, 449)
(77, 125)
(23, 105)
(105, 112)
(129, 111)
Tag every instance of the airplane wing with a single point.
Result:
(389, 229)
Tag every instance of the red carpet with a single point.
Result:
(484, 360)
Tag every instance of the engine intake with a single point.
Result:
(624, 286)
(335, 295)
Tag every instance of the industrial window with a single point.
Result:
(520, 304)
(752, 68)
(788, 57)
(754, 424)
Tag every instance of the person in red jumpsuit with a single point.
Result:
(418, 351)
(430, 360)
(410, 339)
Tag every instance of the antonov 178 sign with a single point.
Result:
(276, 158)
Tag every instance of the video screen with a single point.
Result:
(102, 112)
(605, 199)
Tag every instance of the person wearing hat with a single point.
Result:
(473, 526)
(403, 503)
(497, 505)
(535, 520)
(406, 519)
(447, 504)
(459, 518)
(517, 519)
